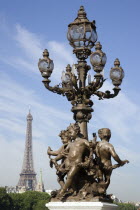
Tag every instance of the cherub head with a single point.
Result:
(104, 133)
(65, 137)
(73, 130)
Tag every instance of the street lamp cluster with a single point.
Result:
(82, 37)
(91, 160)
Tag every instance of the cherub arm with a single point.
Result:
(116, 157)
(62, 153)
(54, 153)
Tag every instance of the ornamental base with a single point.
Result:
(80, 206)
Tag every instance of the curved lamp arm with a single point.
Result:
(55, 89)
(107, 93)
(94, 86)
(99, 84)
(69, 93)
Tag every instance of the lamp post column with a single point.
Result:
(82, 111)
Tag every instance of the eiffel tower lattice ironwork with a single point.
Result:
(28, 176)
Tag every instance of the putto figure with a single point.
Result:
(86, 167)
(60, 154)
(76, 152)
(104, 152)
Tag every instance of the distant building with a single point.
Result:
(49, 191)
(11, 189)
(27, 180)
(21, 189)
(137, 204)
(40, 185)
(115, 199)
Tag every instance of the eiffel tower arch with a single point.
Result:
(27, 178)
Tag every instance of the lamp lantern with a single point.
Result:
(98, 58)
(46, 65)
(82, 34)
(116, 73)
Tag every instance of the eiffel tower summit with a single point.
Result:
(27, 180)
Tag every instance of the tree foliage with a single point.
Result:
(30, 200)
(126, 206)
(5, 200)
(33, 200)
(18, 201)
(40, 205)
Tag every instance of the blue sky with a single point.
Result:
(26, 29)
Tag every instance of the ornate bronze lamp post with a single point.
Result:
(82, 37)
(89, 160)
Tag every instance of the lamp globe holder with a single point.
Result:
(82, 35)
(98, 58)
(116, 73)
(46, 65)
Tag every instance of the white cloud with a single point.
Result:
(120, 114)
(33, 46)
(10, 159)
(29, 42)
(28, 48)
(61, 55)
(14, 125)
(60, 50)
(129, 154)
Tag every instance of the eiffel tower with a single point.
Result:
(27, 178)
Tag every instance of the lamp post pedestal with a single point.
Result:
(81, 206)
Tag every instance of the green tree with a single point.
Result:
(30, 200)
(18, 201)
(126, 206)
(40, 205)
(5, 200)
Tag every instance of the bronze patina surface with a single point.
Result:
(84, 169)
(86, 165)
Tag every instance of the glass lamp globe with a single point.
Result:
(116, 73)
(82, 33)
(98, 58)
(65, 77)
(46, 65)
